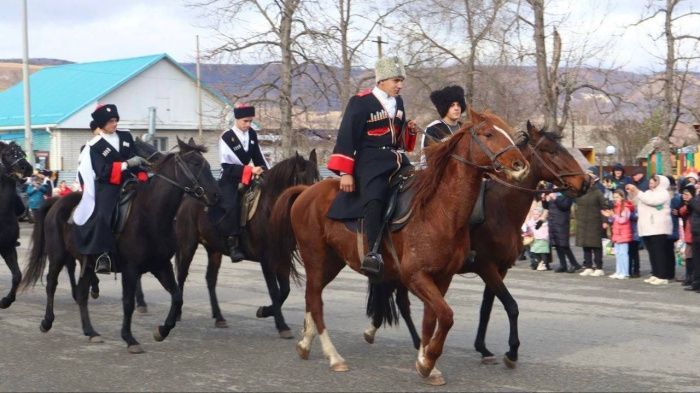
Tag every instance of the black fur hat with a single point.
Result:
(241, 111)
(103, 113)
(443, 99)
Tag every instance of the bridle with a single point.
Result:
(195, 189)
(14, 152)
(565, 186)
(494, 166)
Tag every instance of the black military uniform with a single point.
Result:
(236, 155)
(369, 147)
(107, 168)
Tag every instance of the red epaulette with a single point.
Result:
(364, 92)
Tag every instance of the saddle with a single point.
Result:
(249, 201)
(121, 212)
(398, 208)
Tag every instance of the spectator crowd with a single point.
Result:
(620, 215)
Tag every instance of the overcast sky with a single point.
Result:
(87, 30)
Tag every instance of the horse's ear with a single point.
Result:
(191, 141)
(296, 153)
(531, 128)
(182, 145)
(475, 116)
(312, 156)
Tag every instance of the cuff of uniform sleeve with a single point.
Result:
(116, 175)
(247, 174)
(339, 163)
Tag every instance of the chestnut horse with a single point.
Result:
(497, 241)
(431, 248)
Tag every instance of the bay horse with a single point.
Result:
(431, 248)
(193, 226)
(146, 243)
(498, 241)
(14, 167)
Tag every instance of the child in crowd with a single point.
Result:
(621, 233)
(539, 249)
(687, 195)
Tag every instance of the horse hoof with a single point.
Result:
(340, 367)
(221, 324)
(303, 352)
(135, 349)
(509, 363)
(435, 379)
(422, 370)
(95, 340)
(142, 309)
(157, 336)
(5, 303)
(489, 360)
(286, 334)
(94, 295)
(260, 312)
(369, 338)
(44, 327)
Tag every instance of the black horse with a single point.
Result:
(193, 226)
(146, 243)
(13, 168)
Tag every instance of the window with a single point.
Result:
(161, 143)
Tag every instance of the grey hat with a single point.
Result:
(389, 67)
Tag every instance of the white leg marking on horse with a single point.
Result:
(371, 331)
(308, 333)
(329, 349)
(421, 355)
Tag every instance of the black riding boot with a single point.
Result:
(234, 251)
(372, 264)
(103, 264)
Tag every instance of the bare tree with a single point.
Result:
(556, 86)
(276, 33)
(630, 136)
(676, 65)
(452, 35)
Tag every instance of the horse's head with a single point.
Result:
(551, 162)
(490, 146)
(13, 161)
(143, 148)
(190, 172)
(306, 171)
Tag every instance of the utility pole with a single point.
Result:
(28, 143)
(379, 43)
(199, 97)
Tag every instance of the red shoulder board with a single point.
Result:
(364, 92)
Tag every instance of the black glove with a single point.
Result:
(136, 161)
(538, 224)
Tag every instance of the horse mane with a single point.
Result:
(166, 157)
(438, 156)
(280, 176)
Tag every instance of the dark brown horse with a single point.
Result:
(146, 243)
(431, 248)
(193, 227)
(13, 168)
(498, 242)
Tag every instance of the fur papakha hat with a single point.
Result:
(241, 111)
(102, 114)
(443, 99)
(388, 68)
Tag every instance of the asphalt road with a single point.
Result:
(577, 334)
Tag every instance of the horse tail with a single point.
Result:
(37, 252)
(381, 306)
(281, 233)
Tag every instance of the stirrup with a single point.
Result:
(100, 262)
(373, 266)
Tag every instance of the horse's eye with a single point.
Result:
(488, 134)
